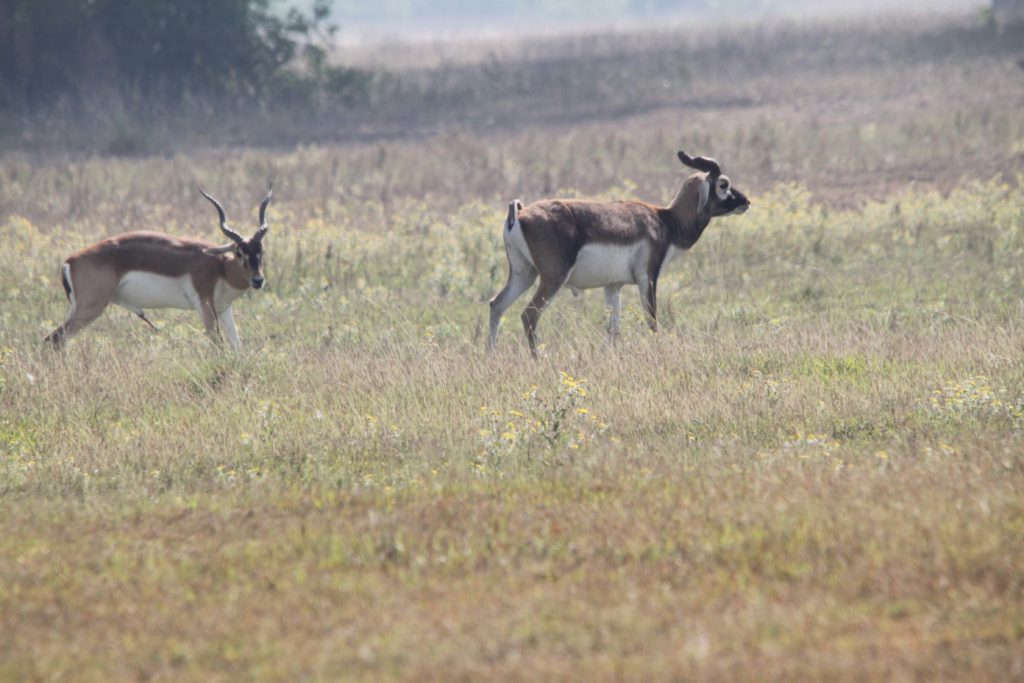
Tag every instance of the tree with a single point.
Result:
(230, 52)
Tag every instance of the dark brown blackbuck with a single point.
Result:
(140, 270)
(586, 244)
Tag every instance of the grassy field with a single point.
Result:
(814, 471)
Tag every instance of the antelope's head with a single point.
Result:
(249, 252)
(717, 194)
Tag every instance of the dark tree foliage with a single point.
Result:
(161, 51)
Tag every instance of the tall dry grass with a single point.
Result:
(814, 470)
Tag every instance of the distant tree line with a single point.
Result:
(234, 52)
(537, 9)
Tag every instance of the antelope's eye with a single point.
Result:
(723, 184)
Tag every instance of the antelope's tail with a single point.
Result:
(514, 207)
(65, 279)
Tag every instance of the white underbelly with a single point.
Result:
(600, 265)
(147, 290)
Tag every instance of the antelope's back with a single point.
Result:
(617, 222)
(147, 251)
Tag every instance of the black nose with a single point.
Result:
(257, 283)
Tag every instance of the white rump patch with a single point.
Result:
(518, 251)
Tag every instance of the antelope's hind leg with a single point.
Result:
(518, 282)
(86, 303)
(547, 290)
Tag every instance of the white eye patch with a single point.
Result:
(722, 188)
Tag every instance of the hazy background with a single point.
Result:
(420, 19)
(150, 77)
(439, 12)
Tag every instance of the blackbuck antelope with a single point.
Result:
(586, 244)
(141, 270)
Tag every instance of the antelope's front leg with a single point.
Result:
(613, 301)
(649, 301)
(227, 321)
(208, 314)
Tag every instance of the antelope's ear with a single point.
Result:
(216, 251)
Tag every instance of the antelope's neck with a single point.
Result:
(684, 228)
(684, 224)
(234, 272)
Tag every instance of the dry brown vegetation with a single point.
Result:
(813, 472)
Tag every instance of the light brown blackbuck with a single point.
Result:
(140, 270)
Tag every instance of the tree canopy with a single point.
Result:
(229, 51)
